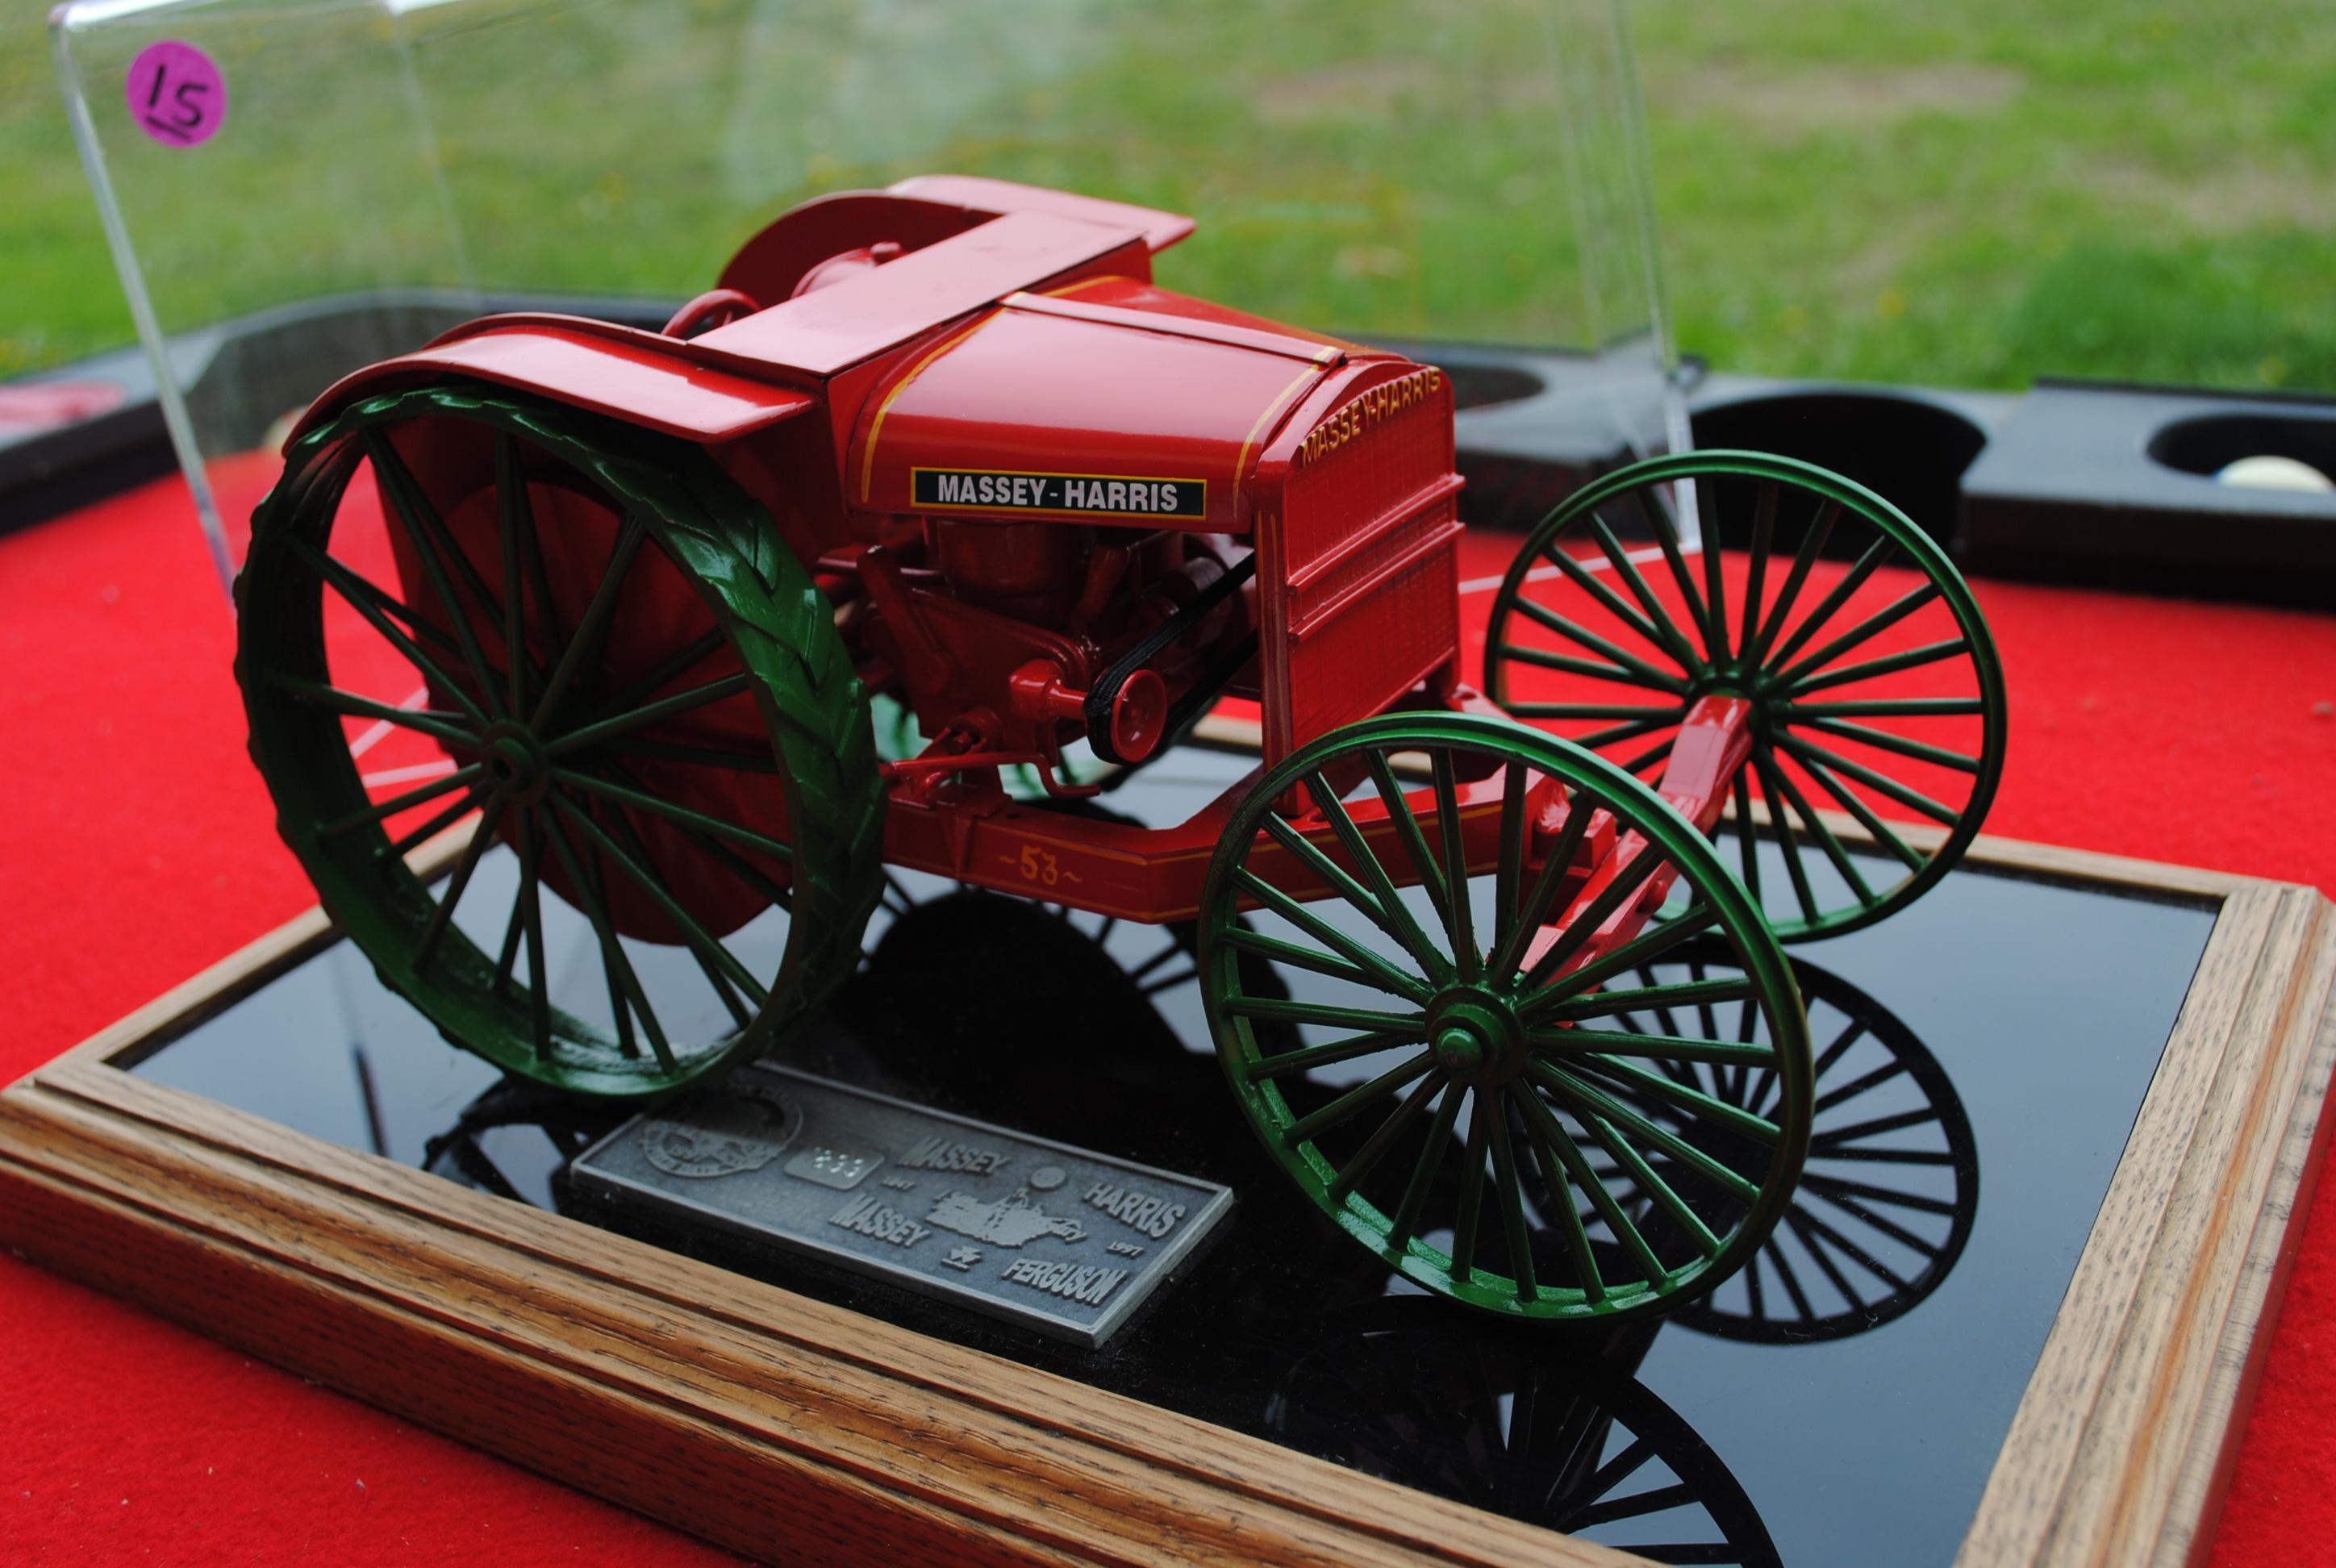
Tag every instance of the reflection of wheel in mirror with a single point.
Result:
(1550, 1437)
(1887, 1198)
(679, 814)
(1874, 685)
(958, 979)
(1440, 1074)
(514, 1140)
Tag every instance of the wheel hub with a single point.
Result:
(518, 770)
(1477, 1036)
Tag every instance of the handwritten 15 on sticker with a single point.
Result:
(176, 93)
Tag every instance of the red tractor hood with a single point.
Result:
(1110, 401)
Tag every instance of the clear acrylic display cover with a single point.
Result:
(293, 188)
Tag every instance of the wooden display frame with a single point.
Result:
(793, 1430)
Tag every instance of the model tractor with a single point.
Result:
(1464, 947)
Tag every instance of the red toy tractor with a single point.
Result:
(949, 444)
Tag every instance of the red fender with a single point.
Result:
(644, 378)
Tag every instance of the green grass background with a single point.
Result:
(1970, 192)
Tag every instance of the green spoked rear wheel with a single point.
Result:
(611, 667)
(1444, 1075)
(1876, 693)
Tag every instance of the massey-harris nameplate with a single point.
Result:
(1091, 494)
(1063, 1239)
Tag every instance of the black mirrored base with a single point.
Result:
(1982, 1057)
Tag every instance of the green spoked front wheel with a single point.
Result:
(1442, 1072)
(604, 658)
(1876, 694)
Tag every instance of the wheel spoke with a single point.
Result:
(1672, 638)
(435, 723)
(1415, 842)
(421, 516)
(1566, 1043)
(1472, 1190)
(1569, 665)
(1506, 1192)
(1615, 734)
(1715, 578)
(1650, 756)
(1389, 978)
(1561, 1143)
(1459, 914)
(443, 915)
(333, 572)
(1698, 993)
(381, 811)
(1881, 620)
(1350, 1104)
(1422, 1170)
(706, 845)
(1891, 708)
(640, 800)
(1581, 927)
(1748, 839)
(584, 645)
(1764, 537)
(509, 954)
(1851, 580)
(1383, 1138)
(1666, 533)
(1584, 579)
(1665, 1197)
(1308, 1057)
(1780, 818)
(420, 626)
(1642, 949)
(1694, 1102)
(1582, 1096)
(530, 894)
(429, 534)
(1813, 543)
(623, 983)
(1553, 1173)
(666, 674)
(1911, 799)
(434, 826)
(1817, 1236)
(1290, 1011)
(1574, 710)
(1399, 920)
(1582, 635)
(1883, 740)
(1864, 1084)
(722, 989)
(1791, 1282)
(648, 883)
(596, 733)
(1890, 664)
(1303, 849)
(590, 896)
(1834, 1138)
(514, 514)
(1826, 841)
(1320, 963)
(1512, 858)
(1533, 914)
(1612, 1473)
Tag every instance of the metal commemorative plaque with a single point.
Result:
(1058, 1238)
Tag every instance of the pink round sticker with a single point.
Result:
(176, 93)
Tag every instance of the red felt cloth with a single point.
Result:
(136, 846)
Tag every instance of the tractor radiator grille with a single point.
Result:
(1368, 574)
